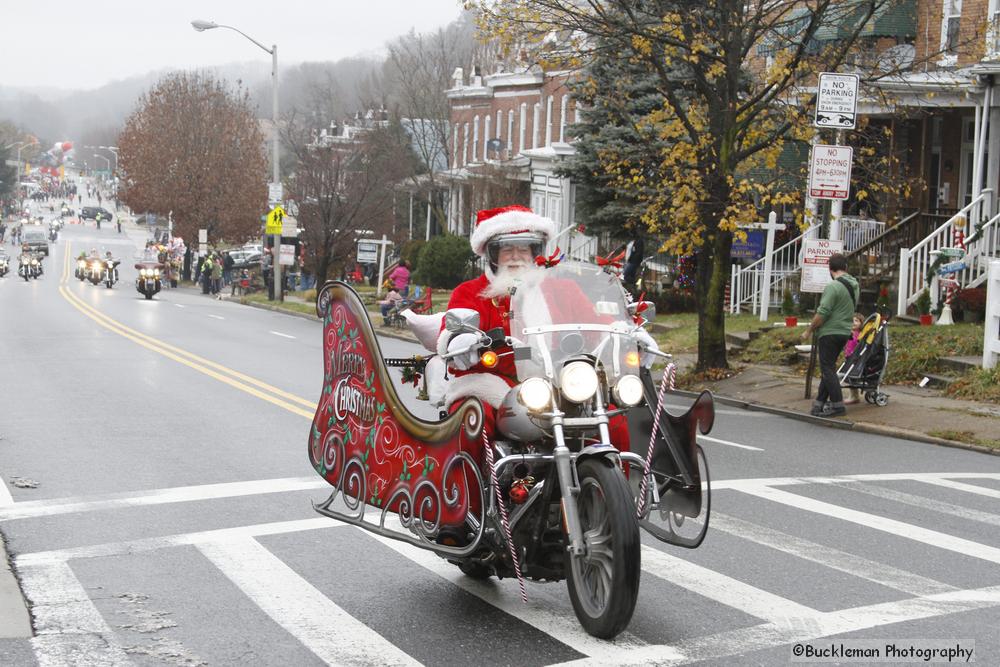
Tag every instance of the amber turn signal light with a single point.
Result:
(489, 358)
(632, 359)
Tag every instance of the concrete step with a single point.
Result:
(938, 380)
(960, 364)
(739, 340)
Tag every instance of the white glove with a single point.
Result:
(646, 343)
(466, 360)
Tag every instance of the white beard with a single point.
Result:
(522, 275)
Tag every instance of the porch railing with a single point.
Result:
(856, 232)
(915, 262)
(746, 281)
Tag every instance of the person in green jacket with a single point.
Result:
(832, 327)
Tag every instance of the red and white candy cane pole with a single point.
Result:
(504, 522)
(668, 380)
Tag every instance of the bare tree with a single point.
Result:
(343, 188)
(417, 73)
(194, 147)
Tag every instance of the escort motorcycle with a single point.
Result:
(547, 495)
(109, 271)
(29, 266)
(4, 264)
(148, 283)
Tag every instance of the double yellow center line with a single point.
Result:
(235, 379)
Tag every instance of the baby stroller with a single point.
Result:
(865, 368)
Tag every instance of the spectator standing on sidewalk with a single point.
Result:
(832, 328)
(227, 268)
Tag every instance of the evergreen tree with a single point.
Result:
(616, 97)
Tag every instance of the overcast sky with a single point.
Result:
(86, 43)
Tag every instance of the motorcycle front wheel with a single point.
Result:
(604, 582)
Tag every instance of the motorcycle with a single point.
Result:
(4, 264)
(81, 269)
(148, 282)
(29, 266)
(109, 272)
(53, 234)
(548, 496)
(95, 270)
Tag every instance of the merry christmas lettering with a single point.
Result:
(351, 400)
(349, 363)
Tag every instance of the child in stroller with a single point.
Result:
(864, 366)
(391, 307)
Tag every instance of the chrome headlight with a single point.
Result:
(535, 394)
(142, 272)
(156, 272)
(34, 262)
(628, 391)
(82, 264)
(578, 381)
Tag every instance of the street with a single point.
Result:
(171, 522)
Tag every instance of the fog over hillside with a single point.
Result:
(95, 116)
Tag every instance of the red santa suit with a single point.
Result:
(491, 385)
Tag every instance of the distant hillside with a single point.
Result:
(94, 116)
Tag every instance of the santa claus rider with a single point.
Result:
(510, 239)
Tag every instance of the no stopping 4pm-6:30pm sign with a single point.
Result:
(830, 172)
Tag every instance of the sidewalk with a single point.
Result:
(913, 412)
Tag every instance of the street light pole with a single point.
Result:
(202, 26)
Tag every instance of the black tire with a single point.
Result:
(149, 297)
(604, 602)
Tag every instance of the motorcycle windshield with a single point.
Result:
(569, 311)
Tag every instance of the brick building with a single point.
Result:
(508, 135)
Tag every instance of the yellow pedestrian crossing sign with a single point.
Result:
(275, 220)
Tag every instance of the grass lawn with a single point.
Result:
(683, 334)
(914, 351)
(967, 437)
(261, 297)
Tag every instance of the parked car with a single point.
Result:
(244, 258)
(90, 213)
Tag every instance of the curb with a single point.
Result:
(314, 318)
(861, 427)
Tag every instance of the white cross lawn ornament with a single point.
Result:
(772, 225)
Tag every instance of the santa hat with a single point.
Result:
(508, 220)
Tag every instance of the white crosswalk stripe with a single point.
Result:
(332, 634)
(835, 559)
(68, 623)
(923, 503)
(917, 533)
(69, 630)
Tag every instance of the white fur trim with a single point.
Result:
(426, 328)
(487, 387)
(508, 223)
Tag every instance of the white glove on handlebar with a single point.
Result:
(646, 343)
(466, 360)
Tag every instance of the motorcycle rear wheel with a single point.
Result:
(604, 583)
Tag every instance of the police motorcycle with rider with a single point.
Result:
(29, 264)
(551, 451)
(149, 266)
